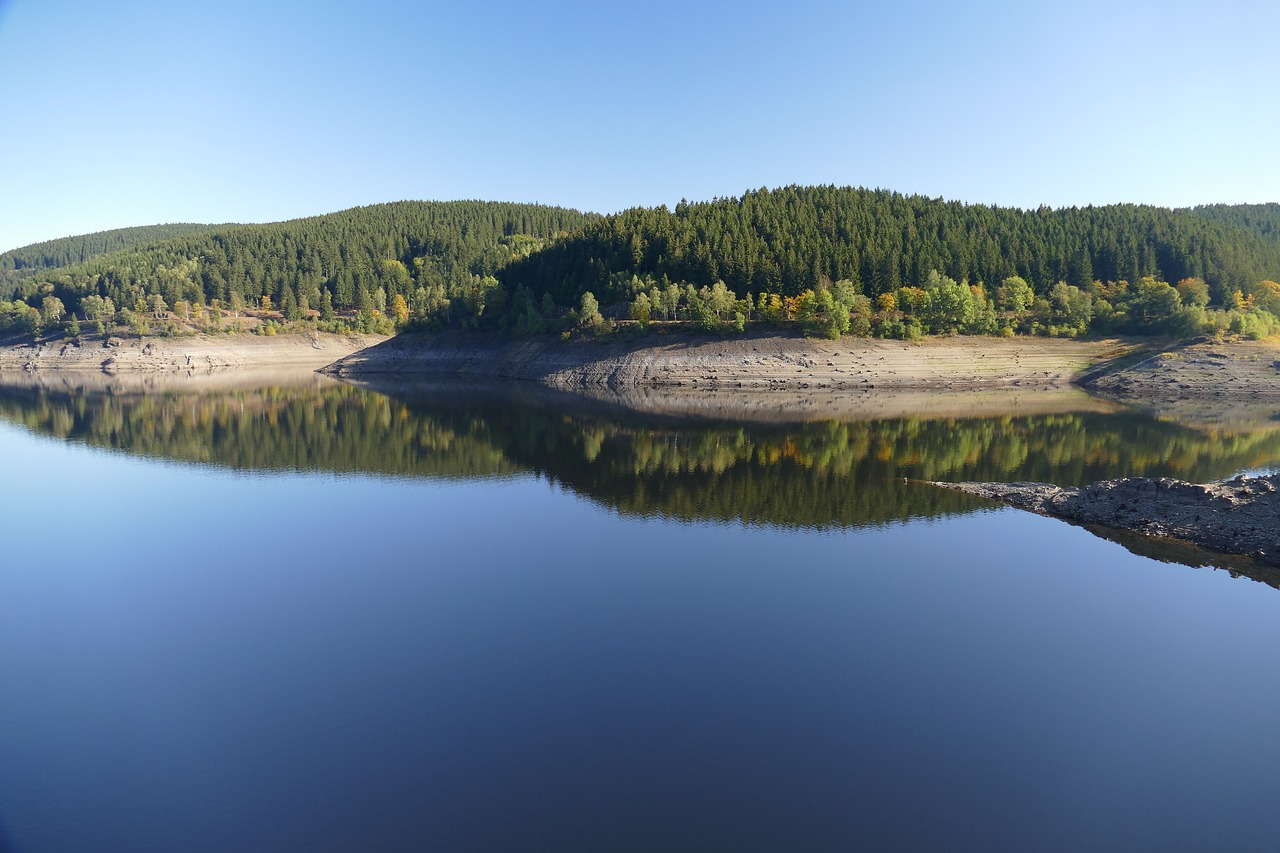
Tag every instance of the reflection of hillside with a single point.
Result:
(790, 405)
(314, 427)
(855, 473)
(815, 473)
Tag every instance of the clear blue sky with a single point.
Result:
(134, 112)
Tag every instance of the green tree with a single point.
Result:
(820, 316)
(289, 306)
(589, 311)
(1193, 291)
(95, 308)
(1071, 307)
(950, 305)
(51, 310)
(1153, 304)
(395, 277)
(641, 309)
(1014, 295)
(399, 310)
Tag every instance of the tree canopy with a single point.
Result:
(17, 264)
(787, 240)
(355, 259)
(828, 260)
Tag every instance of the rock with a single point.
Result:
(1235, 517)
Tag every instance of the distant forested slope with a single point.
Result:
(339, 260)
(830, 260)
(787, 240)
(66, 251)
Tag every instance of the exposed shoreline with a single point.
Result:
(758, 362)
(718, 374)
(191, 355)
(1223, 376)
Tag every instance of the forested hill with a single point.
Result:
(785, 241)
(339, 259)
(1264, 219)
(28, 260)
(827, 260)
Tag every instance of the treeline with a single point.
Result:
(816, 474)
(786, 241)
(941, 305)
(846, 261)
(27, 261)
(376, 260)
(829, 261)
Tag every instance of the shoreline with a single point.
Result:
(1205, 378)
(190, 355)
(752, 362)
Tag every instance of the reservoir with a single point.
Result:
(307, 615)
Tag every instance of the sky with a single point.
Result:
(136, 112)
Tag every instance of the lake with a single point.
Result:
(315, 616)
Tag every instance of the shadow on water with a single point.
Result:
(1185, 553)
(811, 472)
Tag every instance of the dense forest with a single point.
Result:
(31, 260)
(1263, 219)
(840, 260)
(372, 260)
(814, 474)
(786, 241)
(826, 260)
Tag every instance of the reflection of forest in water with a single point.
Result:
(818, 473)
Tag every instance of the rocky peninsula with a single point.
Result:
(1236, 517)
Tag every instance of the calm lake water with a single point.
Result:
(320, 617)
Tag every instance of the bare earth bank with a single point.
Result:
(756, 362)
(184, 355)
(1205, 381)
(1203, 367)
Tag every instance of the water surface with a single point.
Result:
(322, 617)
